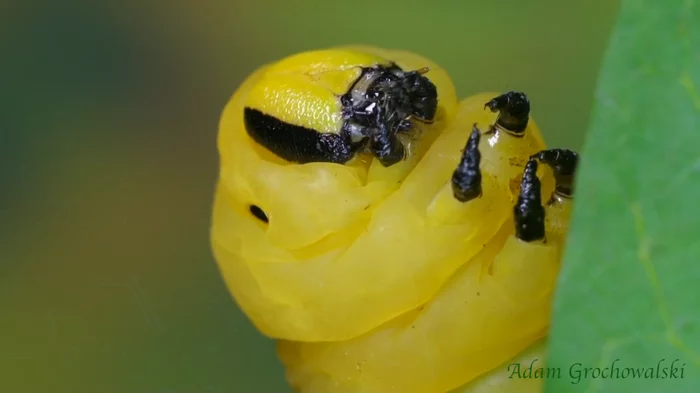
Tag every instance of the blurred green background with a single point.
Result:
(108, 162)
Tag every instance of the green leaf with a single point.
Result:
(629, 291)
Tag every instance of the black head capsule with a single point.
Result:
(466, 179)
(513, 111)
(382, 103)
(563, 163)
(528, 211)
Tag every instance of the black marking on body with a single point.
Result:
(296, 143)
(528, 211)
(259, 213)
(466, 179)
(513, 111)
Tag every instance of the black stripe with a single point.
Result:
(296, 143)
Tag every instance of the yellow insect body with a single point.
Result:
(305, 88)
(375, 278)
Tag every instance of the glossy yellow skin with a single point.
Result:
(376, 279)
(493, 307)
(304, 89)
(328, 223)
(498, 379)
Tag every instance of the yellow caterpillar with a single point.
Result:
(391, 237)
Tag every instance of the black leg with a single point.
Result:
(386, 147)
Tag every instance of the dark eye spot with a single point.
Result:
(259, 213)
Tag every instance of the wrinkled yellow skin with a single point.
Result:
(304, 89)
(374, 279)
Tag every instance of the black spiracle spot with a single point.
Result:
(259, 213)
